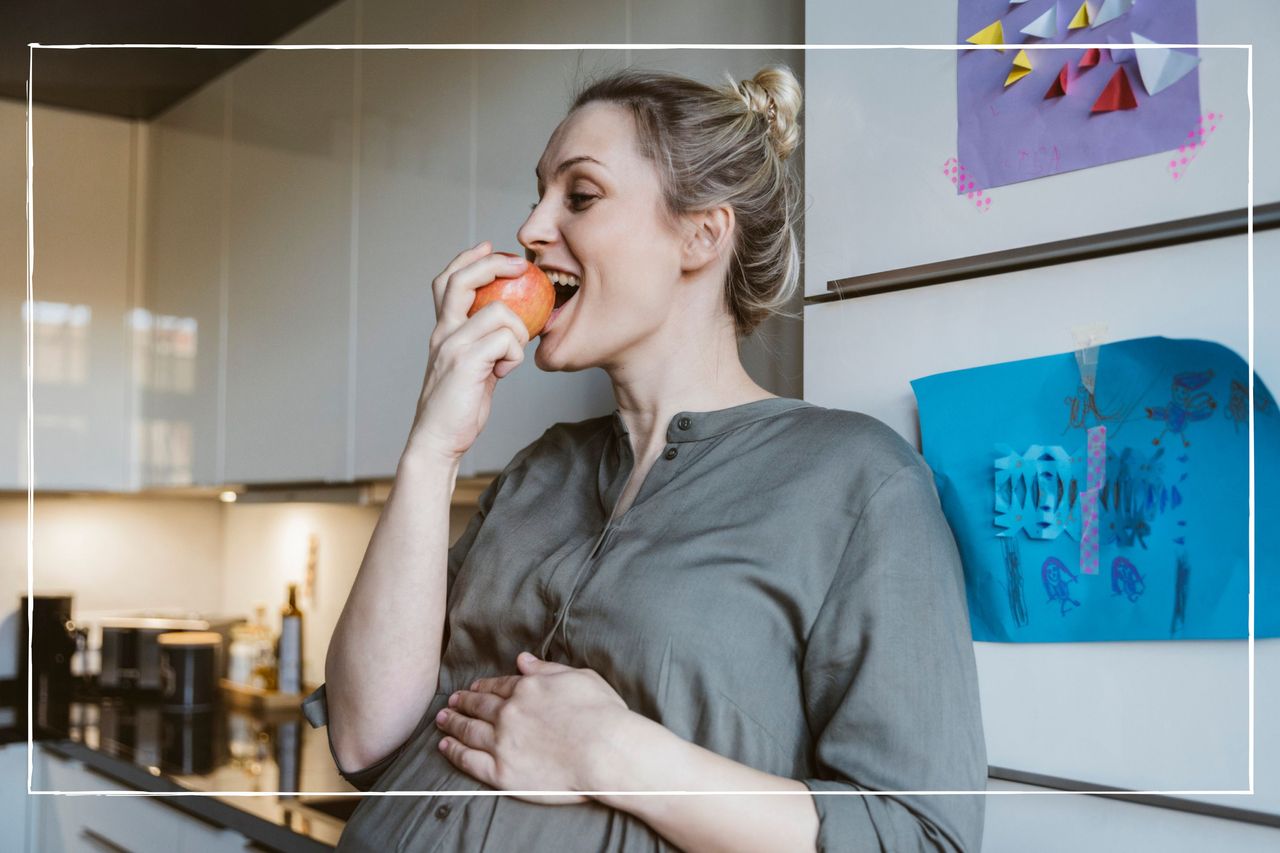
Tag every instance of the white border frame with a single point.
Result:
(33, 46)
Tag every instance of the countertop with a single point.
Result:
(226, 750)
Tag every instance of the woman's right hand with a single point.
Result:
(468, 355)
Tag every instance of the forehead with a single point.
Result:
(603, 131)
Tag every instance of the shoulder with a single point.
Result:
(562, 444)
(861, 442)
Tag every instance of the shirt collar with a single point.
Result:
(696, 426)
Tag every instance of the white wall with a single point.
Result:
(113, 554)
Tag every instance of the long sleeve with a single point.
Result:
(315, 707)
(890, 683)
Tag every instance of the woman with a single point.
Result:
(725, 590)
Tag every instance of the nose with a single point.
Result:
(537, 232)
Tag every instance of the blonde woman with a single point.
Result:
(711, 589)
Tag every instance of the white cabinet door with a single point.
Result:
(83, 183)
(288, 359)
(92, 824)
(414, 217)
(179, 356)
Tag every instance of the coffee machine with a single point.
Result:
(54, 639)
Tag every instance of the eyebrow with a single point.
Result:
(537, 172)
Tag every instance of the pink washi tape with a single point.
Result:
(1097, 478)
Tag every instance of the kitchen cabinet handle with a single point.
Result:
(102, 842)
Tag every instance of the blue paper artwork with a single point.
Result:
(1113, 506)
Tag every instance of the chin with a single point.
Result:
(551, 363)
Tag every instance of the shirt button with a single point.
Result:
(671, 453)
(442, 813)
(684, 423)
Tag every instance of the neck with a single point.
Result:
(694, 373)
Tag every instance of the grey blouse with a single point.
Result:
(783, 591)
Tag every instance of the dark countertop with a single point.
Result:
(225, 751)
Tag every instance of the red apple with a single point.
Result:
(530, 294)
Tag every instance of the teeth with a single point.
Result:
(563, 278)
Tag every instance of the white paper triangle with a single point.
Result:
(1045, 26)
(1111, 9)
(1161, 68)
(1016, 2)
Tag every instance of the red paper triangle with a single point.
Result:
(1118, 94)
(1059, 87)
(1090, 58)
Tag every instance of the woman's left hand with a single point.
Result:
(547, 729)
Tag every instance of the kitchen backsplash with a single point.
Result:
(121, 554)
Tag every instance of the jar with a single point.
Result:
(189, 668)
(242, 655)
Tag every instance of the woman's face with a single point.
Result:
(598, 216)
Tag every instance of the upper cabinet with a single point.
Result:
(180, 329)
(85, 186)
(413, 212)
(290, 244)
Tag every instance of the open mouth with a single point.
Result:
(566, 286)
(564, 294)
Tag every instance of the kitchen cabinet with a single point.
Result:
(413, 212)
(97, 823)
(84, 185)
(290, 171)
(180, 353)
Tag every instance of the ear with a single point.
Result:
(707, 237)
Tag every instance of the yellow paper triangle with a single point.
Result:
(1081, 19)
(990, 34)
(1021, 68)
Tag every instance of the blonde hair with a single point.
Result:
(729, 144)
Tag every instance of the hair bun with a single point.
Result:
(775, 94)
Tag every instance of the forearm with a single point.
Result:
(384, 656)
(645, 756)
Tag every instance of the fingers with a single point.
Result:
(472, 731)
(502, 685)
(460, 286)
(474, 762)
(479, 704)
(501, 350)
(495, 315)
(462, 259)
(495, 334)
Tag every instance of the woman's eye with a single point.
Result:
(576, 200)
